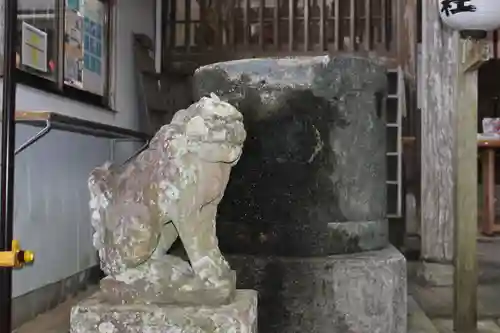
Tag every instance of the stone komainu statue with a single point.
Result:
(170, 190)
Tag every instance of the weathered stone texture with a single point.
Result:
(95, 316)
(308, 197)
(315, 158)
(170, 190)
(361, 293)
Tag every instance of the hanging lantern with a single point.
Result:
(473, 18)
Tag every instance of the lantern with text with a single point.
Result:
(473, 18)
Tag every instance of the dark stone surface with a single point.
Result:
(301, 240)
(314, 155)
(361, 293)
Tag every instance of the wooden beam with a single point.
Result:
(291, 24)
(383, 24)
(218, 24)
(352, 46)
(262, 8)
(187, 25)
(246, 23)
(306, 25)
(472, 54)
(337, 24)
(368, 25)
(407, 39)
(276, 24)
(172, 24)
(322, 6)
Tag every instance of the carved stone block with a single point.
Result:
(96, 316)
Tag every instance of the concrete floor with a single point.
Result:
(437, 300)
(435, 303)
(56, 320)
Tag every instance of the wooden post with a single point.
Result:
(449, 161)
(439, 61)
(472, 54)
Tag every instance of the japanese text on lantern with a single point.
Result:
(452, 7)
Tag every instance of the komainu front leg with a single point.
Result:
(198, 234)
(168, 237)
(169, 279)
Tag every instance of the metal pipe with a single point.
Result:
(7, 158)
(115, 141)
(137, 152)
(43, 132)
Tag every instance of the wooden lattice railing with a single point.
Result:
(230, 29)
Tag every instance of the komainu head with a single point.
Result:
(210, 128)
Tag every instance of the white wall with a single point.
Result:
(51, 207)
(51, 199)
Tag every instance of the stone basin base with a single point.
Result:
(353, 293)
(94, 315)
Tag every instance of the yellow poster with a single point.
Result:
(34, 47)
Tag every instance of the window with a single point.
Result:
(63, 46)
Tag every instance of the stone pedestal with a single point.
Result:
(303, 220)
(312, 179)
(362, 293)
(95, 316)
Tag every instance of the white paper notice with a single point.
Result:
(34, 47)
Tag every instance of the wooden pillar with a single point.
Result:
(471, 55)
(449, 159)
(439, 61)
